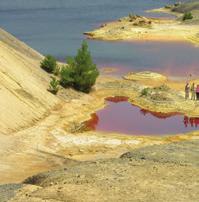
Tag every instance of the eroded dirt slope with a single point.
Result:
(23, 95)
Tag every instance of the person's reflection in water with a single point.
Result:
(142, 111)
(196, 120)
(191, 121)
(186, 121)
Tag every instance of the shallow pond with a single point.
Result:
(121, 116)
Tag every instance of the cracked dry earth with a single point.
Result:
(167, 172)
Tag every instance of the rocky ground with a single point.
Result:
(7, 191)
(167, 172)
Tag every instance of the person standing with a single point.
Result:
(193, 91)
(187, 89)
(197, 92)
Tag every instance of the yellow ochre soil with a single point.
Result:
(138, 28)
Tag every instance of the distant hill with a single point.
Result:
(23, 95)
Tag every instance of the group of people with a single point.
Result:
(193, 90)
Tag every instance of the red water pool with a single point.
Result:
(122, 117)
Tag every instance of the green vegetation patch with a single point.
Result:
(54, 85)
(159, 93)
(187, 16)
(80, 72)
(146, 91)
(49, 64)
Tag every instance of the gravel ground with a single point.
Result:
(7, 191)
(183, 153)
(168, 173)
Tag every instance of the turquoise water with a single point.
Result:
(56, 27)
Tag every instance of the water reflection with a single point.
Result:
(193, 122)
(121, 116)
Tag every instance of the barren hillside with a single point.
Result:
(23, 94)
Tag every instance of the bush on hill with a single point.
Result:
(49, 64)
(54, 85)
(67, 76)
(187, 16)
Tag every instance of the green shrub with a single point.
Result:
(187, 16)
(81, 73)
(67, 76)
(145, 91)
(54, 85)
(49, 64)
(57, 70)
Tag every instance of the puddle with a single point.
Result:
(121, 116)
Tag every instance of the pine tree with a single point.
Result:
(86, 71)
(81, 72)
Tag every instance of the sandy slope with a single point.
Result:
(23, 95)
